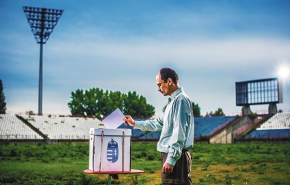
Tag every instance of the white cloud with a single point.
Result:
(205, 66)
(246, 50)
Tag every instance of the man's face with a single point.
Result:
(162, 86)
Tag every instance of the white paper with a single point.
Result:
(114, 120)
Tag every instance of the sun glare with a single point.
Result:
(284, 71)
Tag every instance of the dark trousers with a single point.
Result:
(181, 170)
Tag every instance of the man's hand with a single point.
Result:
(167, 168)
(129, 120)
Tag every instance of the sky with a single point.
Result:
(120, 45)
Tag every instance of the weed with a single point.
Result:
(205, 167)
(149, 170)
(13, 153)
(151, 157)
(201, 180)
(143, 154)
(228, 179)
(135, 180)
(138, 155)
(85, 180)
(278, 182)
(252, 167)
(44, 160)
(70, 181)
(197, 157)
(210, 177)
(277, 167)
(261, 170)
(238, 177)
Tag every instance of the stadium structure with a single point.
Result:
(245, 127)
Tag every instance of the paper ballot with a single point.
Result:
(114, 120)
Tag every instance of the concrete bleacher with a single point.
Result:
(204, 125)
(277, 127)
(63, 127)
(278, 121)
(12, 128)
(77, 128)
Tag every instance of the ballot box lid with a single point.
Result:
(110, 132)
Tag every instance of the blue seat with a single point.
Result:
(269, 134)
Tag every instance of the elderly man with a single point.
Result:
(177, 129)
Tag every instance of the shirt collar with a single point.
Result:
(175, 93)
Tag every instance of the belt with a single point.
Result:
(184, 150)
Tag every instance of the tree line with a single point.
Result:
(97, 102)
(218, 112)
(196, 111)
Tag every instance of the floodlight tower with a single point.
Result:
(42, 22)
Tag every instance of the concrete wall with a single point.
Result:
(226, 135)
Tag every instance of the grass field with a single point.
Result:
(240, 164)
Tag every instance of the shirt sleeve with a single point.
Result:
(150, 125)
(181, 118)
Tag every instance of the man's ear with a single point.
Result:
(170, 82)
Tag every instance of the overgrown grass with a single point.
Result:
(250, 163)
(40, 163)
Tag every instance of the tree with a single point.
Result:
(131, 104)
(145, 110)
(90, 102)
(2, 99)
(218, 112)
(96, 102)
(105, 104)
(76, 104)
(195, 109)
(117, 99)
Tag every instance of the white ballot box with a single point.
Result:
(110, 150)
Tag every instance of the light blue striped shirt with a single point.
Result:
(176, 125)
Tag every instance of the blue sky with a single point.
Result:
(120, 45)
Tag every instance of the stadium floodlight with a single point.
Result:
(42, 22)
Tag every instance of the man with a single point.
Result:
(177, 129)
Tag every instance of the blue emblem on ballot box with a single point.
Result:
(112, 151)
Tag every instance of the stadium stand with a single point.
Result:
(33, 127)
(204, 126)
(64, 127)
(278, 121)
(269, 134)
(277, 127)
(12, 128)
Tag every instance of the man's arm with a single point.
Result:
(148, 125)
